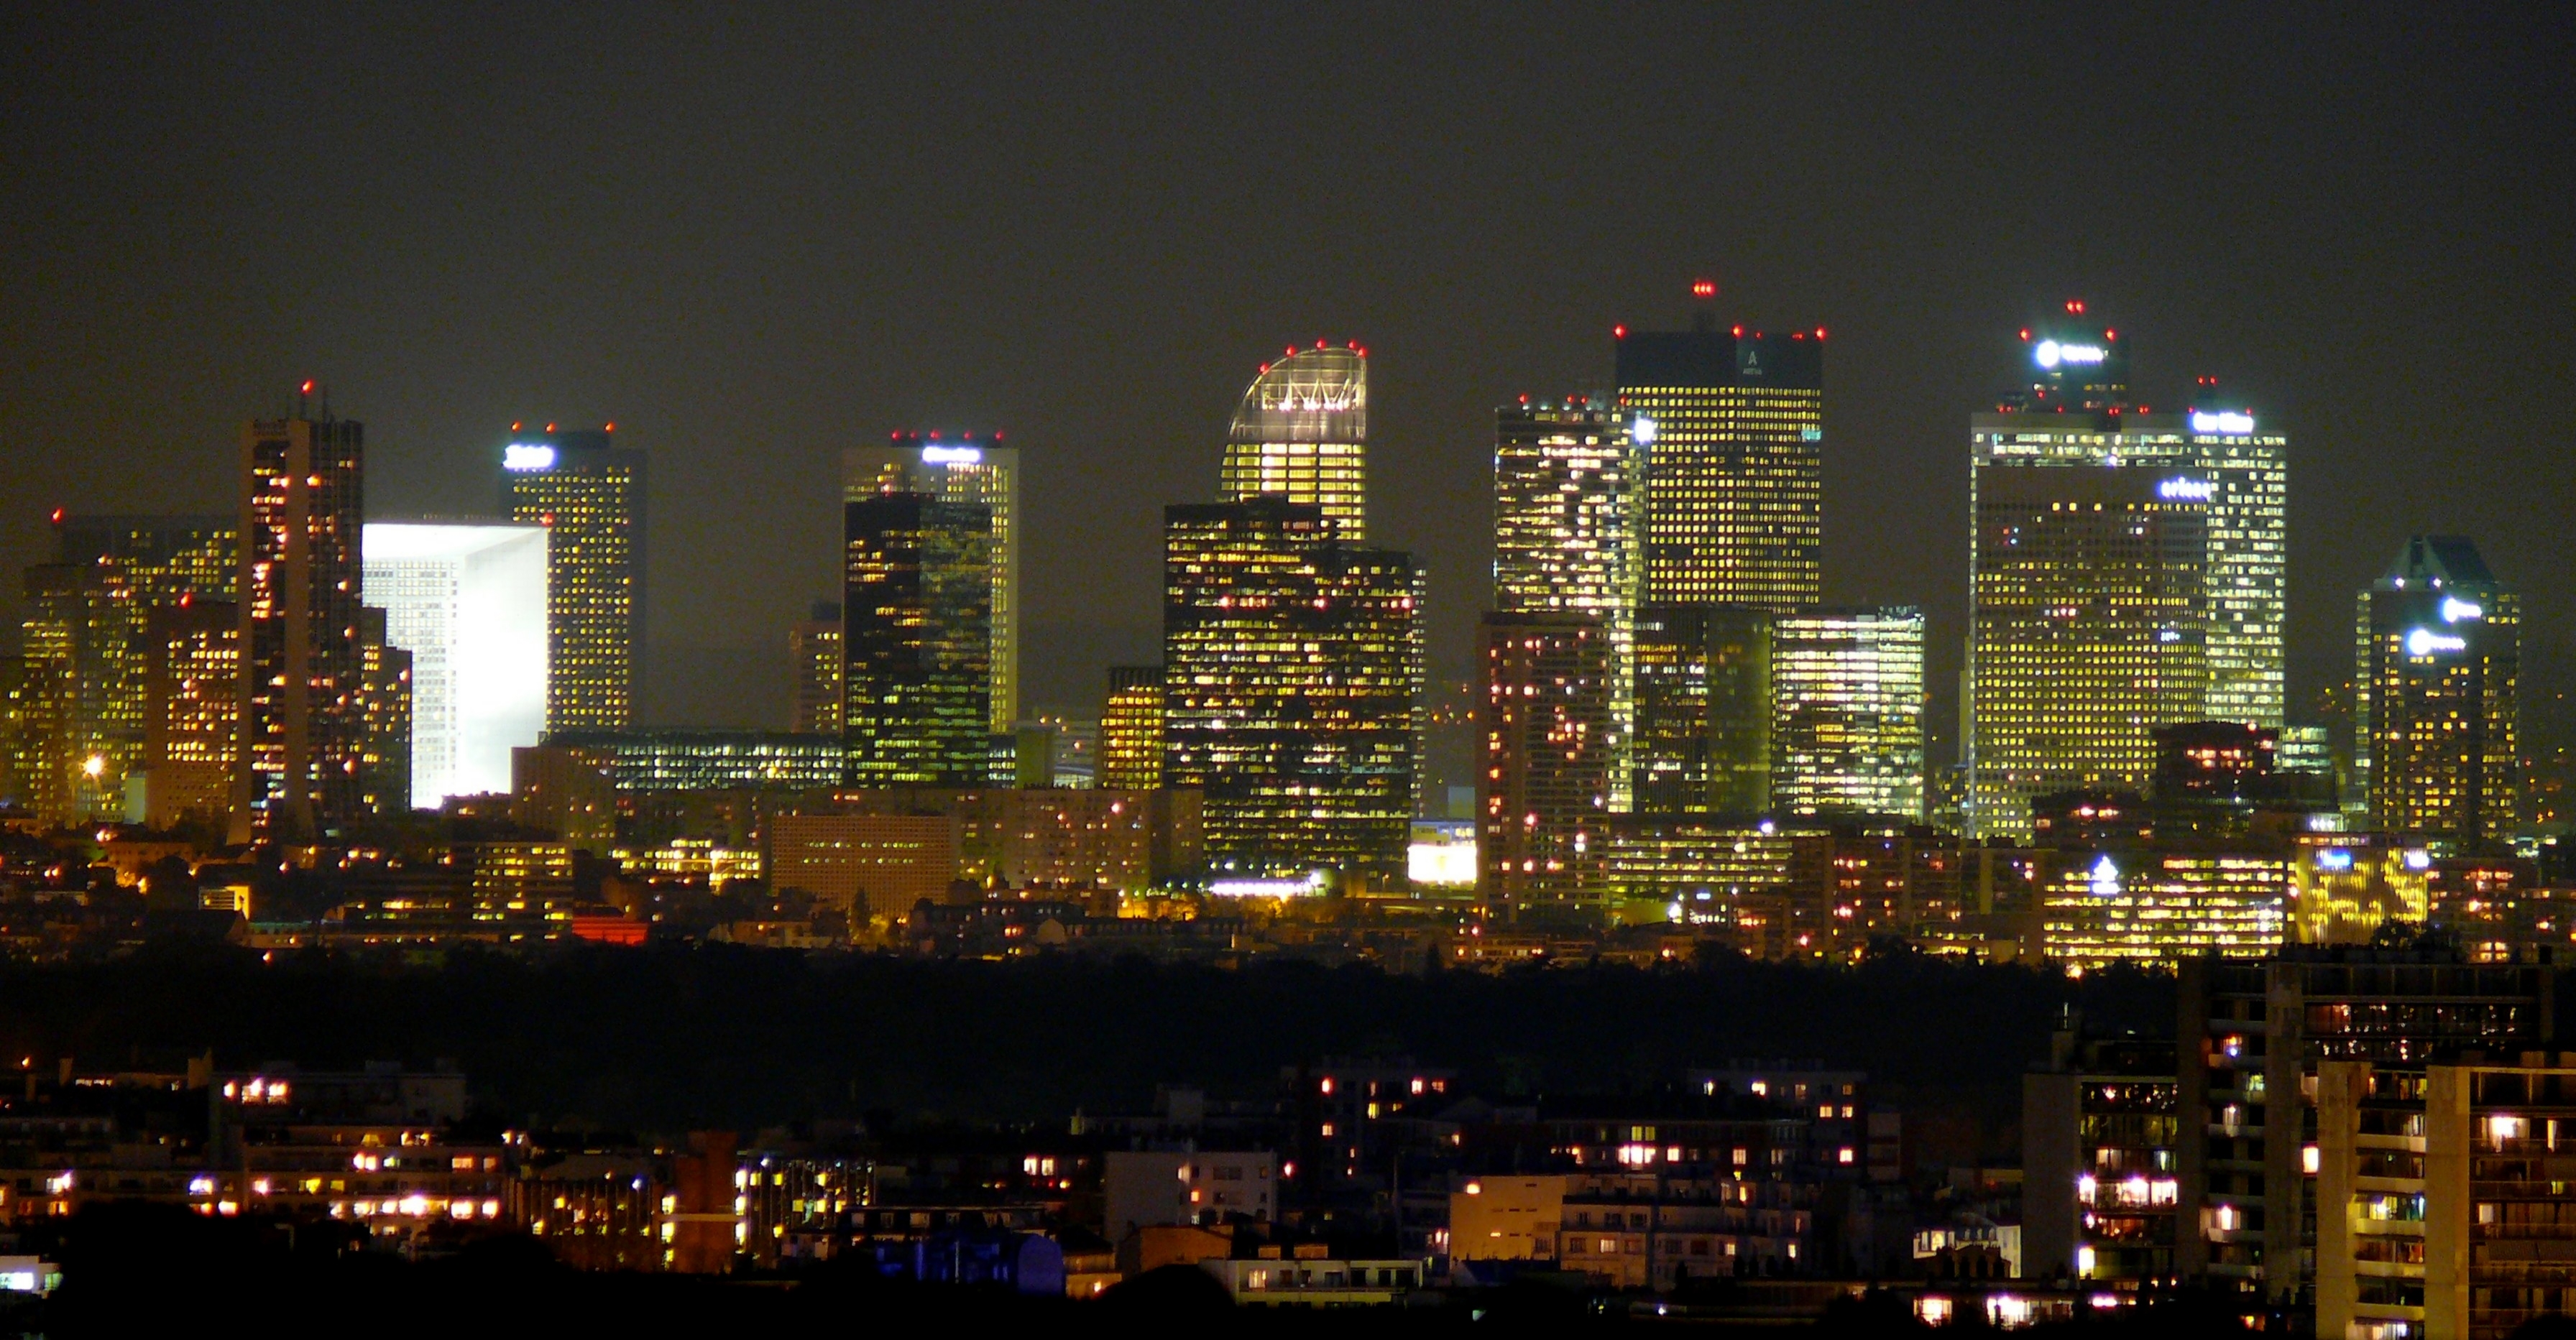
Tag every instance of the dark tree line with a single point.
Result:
(670, 1037)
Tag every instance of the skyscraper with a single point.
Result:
(916, 644)
(814, 646)
(1703, 710)
(2087, 628)
(961, 468)
(1290, 669)
(191, 699)
(2071, 407)
(1302, 434)
(469, 601)
(1730, 428)
(1847, 712)
(1565, 536)
(1131, 729)
(589, 495)
(2436, 713)
(303, 494)
(89, 609)
(1544, 728)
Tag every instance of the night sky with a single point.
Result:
(751, 236)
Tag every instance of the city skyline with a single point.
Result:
(1084, 347)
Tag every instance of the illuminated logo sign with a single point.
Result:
(2334, 858)
(2424, 642)
(2204, 422)
(2050, 353)
(952, 456)
(2419, 859)
(525, 456)
(1643, 430)
(2187, 490)
(2106, 879)
(2455, 609)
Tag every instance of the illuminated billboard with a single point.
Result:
(468, 601)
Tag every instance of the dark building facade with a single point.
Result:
(1549, 752)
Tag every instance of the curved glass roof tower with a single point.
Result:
(1302, 434)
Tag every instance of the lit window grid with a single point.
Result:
(2248, 533)
(1733, 495)
(594, 582)
(1131, 735)
(2436, 736)
(1565, 519)
(1290, 678)
(1847, 730)
(1301, 433)
(2165, 909)
(2086, 633)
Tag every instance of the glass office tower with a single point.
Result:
(1291, 670)
(2436, 716)
(916, 641)
(977, 471)
(1301, 434)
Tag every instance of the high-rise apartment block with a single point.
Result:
(814, 648)
(469, 601)
(1131, 730)
(2222, 603)
(1291, 668)
(975, 471)
(301, 728)
(1730, 429)
(1565, 535)
(2438, 680)
(2254, 1203)
(589, 495)
(2441, 1195)
(1847, 712)
(1548, 760)
(917, 641)
(88, 611)
(1301, 434)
